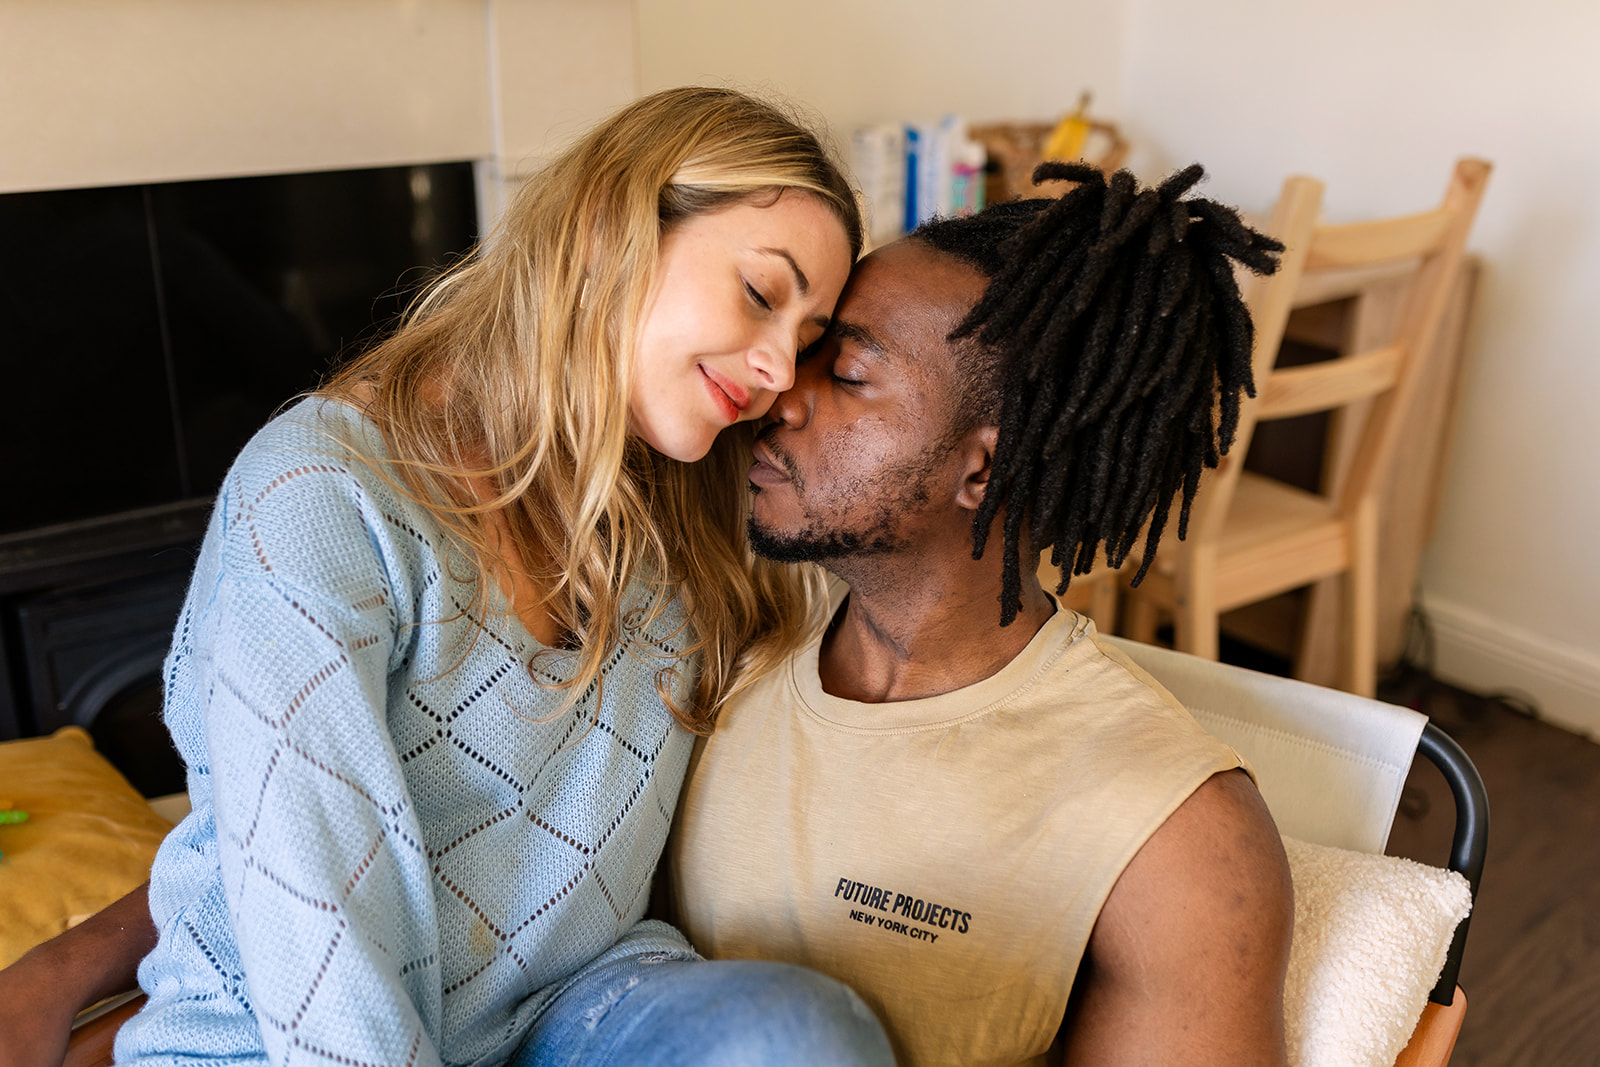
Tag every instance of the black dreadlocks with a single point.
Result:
(1113, 316)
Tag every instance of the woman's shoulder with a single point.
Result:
(315, 483)
(314, 432)
(317, 448)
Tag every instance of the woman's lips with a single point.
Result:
(727, 394)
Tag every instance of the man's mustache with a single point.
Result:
(784, 460)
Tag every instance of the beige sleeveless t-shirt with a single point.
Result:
(946, 857)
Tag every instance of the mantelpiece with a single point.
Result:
(114, 92)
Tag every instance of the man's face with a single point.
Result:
(859, 457)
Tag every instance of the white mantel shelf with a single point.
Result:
(114, 92)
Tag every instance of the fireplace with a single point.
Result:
(122, 400)
(149, 331)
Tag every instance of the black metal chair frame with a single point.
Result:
(1471, 839)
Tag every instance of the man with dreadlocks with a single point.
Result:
(957, 800)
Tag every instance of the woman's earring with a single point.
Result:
(583, 295)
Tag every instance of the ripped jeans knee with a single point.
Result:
(663, 1008)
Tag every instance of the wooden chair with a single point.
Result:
(1094, 594)
(96, 1031)
(1251, 537)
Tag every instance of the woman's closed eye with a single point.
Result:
(756, 297)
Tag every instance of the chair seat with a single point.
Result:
(1275, 537)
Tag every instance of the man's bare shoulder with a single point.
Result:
(1187, 959)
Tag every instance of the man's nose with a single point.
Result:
(793, 405)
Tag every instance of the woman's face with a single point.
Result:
(738, 294)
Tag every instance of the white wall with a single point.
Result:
(103, 92)
(1377, 98)
(860, 61)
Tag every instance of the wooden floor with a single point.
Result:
(1532, 966)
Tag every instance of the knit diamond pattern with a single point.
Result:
(398, 847)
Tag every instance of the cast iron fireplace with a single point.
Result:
(148, 332)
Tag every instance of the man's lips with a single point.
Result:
(766, 471)
(730, 395)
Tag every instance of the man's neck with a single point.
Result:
(909, 631)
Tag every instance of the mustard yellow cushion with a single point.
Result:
(90, 837)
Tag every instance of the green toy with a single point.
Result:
(12, 816)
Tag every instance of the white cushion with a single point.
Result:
(1370, 938)
(1330, 765)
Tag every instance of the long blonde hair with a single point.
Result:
(514, 367)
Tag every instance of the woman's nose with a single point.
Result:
(772, 360)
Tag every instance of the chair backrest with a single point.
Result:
(1431, 244)
(1270, 299)
(1426, 250)
(1330, 764)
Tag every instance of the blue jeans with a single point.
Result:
(663, 1009)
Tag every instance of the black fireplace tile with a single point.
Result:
(111, 427)
(85, 645)
(129, 732)
(265, 282)
(85, 427)
(13, 701)
(270, 280)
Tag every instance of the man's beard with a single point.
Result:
(815, 545)
(895, 492)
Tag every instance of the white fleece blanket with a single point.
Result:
(1370, 937)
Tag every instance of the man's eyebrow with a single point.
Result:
(854, 331)
(800, 280)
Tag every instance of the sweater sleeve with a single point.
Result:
(322, 862)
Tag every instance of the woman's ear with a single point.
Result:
(977, 461)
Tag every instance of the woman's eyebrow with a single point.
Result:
(800, 280)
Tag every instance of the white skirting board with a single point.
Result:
(1481, 653)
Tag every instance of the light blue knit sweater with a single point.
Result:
(397, 851)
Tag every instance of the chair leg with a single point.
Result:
(1320, 656)
(1103, 603)
(1195, 618)
(1139, 622)
(1361, 602)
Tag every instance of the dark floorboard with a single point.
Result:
(1531, 970)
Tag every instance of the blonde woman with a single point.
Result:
(458, 616)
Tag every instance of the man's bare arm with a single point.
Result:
(1187, 959)
(41, 992)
